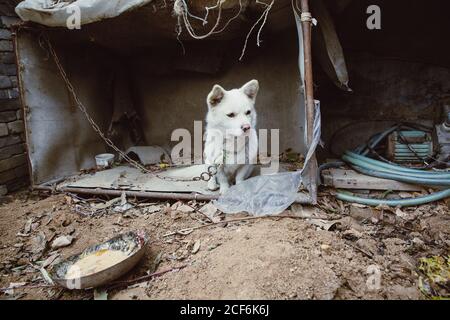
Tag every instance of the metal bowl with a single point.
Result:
(134, 242)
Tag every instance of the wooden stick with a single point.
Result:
(183, 231)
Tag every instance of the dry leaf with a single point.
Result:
(50, 260)
(323, 224)
(46, 276)
(400, 213)
(196, 247)
(12, 285)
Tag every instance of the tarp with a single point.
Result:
(57, 13)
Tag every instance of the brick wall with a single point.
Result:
(13, 161)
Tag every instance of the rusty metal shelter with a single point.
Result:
(139, 81)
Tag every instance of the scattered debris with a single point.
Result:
(46, 276)
(38, 245)
(124, 205)
(107, 204)
(358, 236)
(51, 260)
(399, 213)
(12, 286)
(434, 280)
(181, 207)
(211, 212)
(149, 209)
(323, 224)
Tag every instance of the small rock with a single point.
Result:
(352, 234)
(151, 209)
(3, 190)
(368, 245)
(66, 222)
(418, 242)
(62, 241)
(70, 230)
(185, 208)
(361, 214)
(405, 195)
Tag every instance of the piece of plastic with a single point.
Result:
(269, 194)
(330, 54)
(54, 13)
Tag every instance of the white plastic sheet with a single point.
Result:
(56, 13)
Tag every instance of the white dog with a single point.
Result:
(231, 143)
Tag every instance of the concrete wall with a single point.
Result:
(60, 140)
(13, 163)
(386, 91)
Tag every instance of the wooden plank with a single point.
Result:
(350, 179)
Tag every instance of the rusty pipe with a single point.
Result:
(309, 94)
(302, 198)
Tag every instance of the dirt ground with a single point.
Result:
(332, 251)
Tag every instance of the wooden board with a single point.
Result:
(350, 179)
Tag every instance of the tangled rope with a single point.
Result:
(264, 16)
(181, 10)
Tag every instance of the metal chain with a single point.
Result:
(205, 176)
(86, 114)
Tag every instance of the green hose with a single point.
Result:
(395, 167)
(394, 203)
(372, 167)
(422, 178)
(403, 178)
(384, 170)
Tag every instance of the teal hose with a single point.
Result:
(368, 166)
(394, 203)
(403, 178)
(441, 179)
(395, 167)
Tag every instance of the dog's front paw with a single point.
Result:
(212, 184)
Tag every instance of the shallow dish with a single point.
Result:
(131, 243)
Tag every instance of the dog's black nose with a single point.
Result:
(245, 127)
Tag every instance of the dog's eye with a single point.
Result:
(231, 115)
(248, 112)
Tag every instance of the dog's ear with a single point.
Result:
(251, 89)
(215, 96)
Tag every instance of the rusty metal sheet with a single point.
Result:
(126, 178)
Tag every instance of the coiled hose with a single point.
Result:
(346, 196)
(372, 167)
